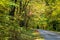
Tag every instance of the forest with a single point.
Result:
(19, 17)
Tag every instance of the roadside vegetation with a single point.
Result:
(19, 18)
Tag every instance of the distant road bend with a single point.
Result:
(49, 35)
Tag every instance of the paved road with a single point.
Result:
(49, 35)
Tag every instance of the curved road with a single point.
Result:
(49, 35)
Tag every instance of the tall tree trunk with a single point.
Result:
(13, 9)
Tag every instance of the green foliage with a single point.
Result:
(28, 14)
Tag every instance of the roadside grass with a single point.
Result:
(30, 35)
(37, 35)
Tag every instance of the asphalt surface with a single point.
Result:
(48, 35)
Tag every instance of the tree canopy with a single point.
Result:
(14, 14)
